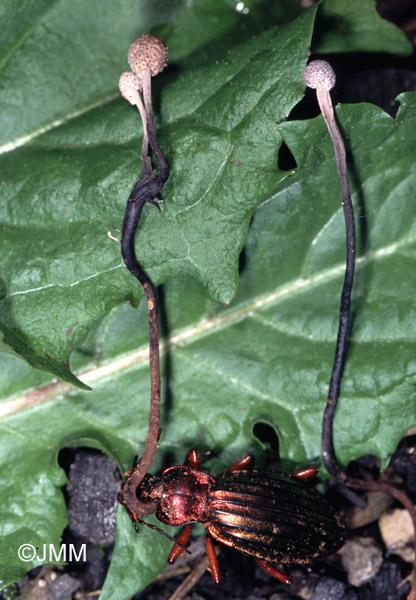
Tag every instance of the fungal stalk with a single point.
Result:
(319, 75)
(147, 56)
(130, 86)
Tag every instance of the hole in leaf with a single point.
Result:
(285, 159)
(267, 435)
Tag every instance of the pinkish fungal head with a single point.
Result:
(148, 51)
(319, 73)
(130, 85)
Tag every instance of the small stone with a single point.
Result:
(63, 587)
(329, 589)
(377, 504)
(396, 529)
(361, 558)
(280, 596)
(388, 585)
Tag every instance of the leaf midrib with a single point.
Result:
(63, 120)
(188, 335)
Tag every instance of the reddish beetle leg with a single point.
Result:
(183, 539)
(308, 473)
(243, 463)
(192, 459)
(273, 571)
(213, 560)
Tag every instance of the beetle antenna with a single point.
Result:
(172, 539)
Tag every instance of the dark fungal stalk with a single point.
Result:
(319, 75)
(147, 57)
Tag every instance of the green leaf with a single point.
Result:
(128, 551)
(64, 190)
(55, 65)
(34, 510)
(265, 358)
(203, 29)
(356, 26)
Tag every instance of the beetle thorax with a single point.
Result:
(185, 496)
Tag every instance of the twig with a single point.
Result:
(191, 580)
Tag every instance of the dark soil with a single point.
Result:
(92, 500)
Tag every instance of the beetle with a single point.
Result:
(269, 515)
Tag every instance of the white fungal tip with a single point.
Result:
(319, 73)
(148, 51)
(129, 85)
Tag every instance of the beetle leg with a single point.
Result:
(243, 463)
(136, 529)
(192, 459)
(183, 539)
(274, 572)
(308, 473)
(213, 560)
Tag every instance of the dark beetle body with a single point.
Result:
(272, 516)
(267, 514)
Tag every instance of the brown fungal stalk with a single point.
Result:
(147, 57)
(319, 75)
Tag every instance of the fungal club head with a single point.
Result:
(319, 74)
(148, 51)
(130, 85)
(147, 57)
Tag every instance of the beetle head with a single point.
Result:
(149, 493)
(140, 497)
